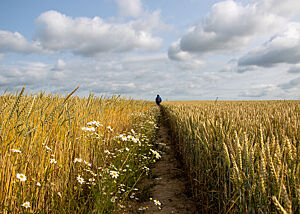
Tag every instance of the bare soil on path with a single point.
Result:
(168, 183)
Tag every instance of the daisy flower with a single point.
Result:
(77, 160)
(38, 184)
(90, 129)
(53, 161)
(26, 204)
(92, 180)
(96, 123)
(87, 163)
(80, 179)
(157, 155)
(113, 199)
(15, 150)
(106, 151)
(130, 137)
(135, 140)
(123, 137)
(142, 208)
(114, 174)
(90, 123)
(156, 202)
(21, 177)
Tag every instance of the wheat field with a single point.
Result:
(65, 154)
(241, 157)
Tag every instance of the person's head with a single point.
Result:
(158, 95)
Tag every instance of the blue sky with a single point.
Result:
(182, 50)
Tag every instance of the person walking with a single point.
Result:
(158, 100)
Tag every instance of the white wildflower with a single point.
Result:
(156, 202)
(91, 179)
(157, 155)
(53, 161)
(79, 160)
(96, 123)
(87, 163)
(90, 129)
(113, 199)
(21, 177)
(114, 174)
(80, 179)
(26, 204)
(123, 137)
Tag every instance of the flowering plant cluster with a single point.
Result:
(72, 155)
(111, 180)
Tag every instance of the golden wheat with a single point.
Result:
(242, 155)
(66, 154)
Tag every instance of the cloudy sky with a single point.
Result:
(180, 49)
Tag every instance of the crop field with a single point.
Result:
(241, 157)
(65, 154)
(72, 155)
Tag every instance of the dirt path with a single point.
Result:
(168, 182)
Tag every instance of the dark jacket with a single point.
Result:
(158, 100)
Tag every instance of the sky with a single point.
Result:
(179, 49)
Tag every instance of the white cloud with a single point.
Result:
(89, 37)
(29, 73)
(15, 42)
(258, 91)
(184, 59)
(292, 84)
(176, 53)
(232, 66)
(281, 48)
(287, 8)
(294, 69)
(149, 22)
(113, 75)
(230, 26)
(141, 77)
(131, 8)
(144, 76)
(60, 65)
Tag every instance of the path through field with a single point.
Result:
(168, 182)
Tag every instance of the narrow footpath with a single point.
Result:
(168, 183)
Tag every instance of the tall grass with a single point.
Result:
(70, 154)
(241, 157)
